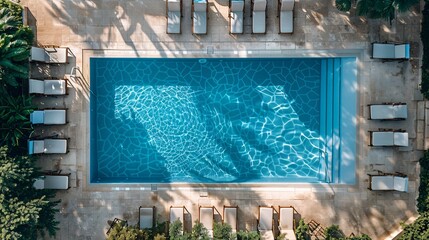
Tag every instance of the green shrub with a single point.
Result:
(343, 5)
(245, 235)
(175, 230)
(423, 199)
(222, 231)
(199, 232)
(302, 231)
(419, 230)
(333, 233)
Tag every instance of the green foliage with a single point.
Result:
(334, 232)
(15, 9)
(199, 232)
(362, 237)
(222, 232)
(419, 230)
(14, 119)
(24, 211)
(160, 237)
(302, 232)
(122, 232)
(175, 230)
(423, 199)
(343, 5)
(244, 235)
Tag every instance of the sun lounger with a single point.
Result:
(146, 217)
(48, 146)
(199, 16)
(178, 213)
(259, 15)
(174, 16)
(388, 138)
(285, 8)
(236, 16)
(49, 54)
(48, 86)
(286, 222)
(391, 51)
(391, 111)
(265, 223)
(207, 219)
(388, 181)
(54, 181)
(230, 216)
(49, 117)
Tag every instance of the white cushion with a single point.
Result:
(237, 6)
(287, 5)
(400, 183)
(400, 139)
(382, 138)
(382, 182)
(400, 111)
(146, 218)
(39, 183)
(177, 213)
(36, 86)
(200, 22)
(265, 218)
(57, 55)
(37, 117)
(206, 217)
(388, 111)
(36, 146)
(258, 22)
(383, 50)
(56, 181)
(286, 22)
(200, 6)
(55, 116)
(259, 5)
(55, 87)
(286, 218)
(39, 54)
(55, 145)
(237, 22)
(174, 6)
(173, 22)
(230, 217)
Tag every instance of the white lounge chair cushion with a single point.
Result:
(200, 5)
(57, 54)
(55, 87)
(39, 54)
(146, 218)
(400, 184)
(382, 182)
(390, 51)
(37, 117)
(260, 5)
(230, 217)
(55, 145)
(56, 181)
(177, 213)
(258, 22)
(400, 139)
(200, 22)
(55, 116)
(266, 234)
(36, 86)
(382, 138)
(39, 183)
(36, 146)
(286, 21)
(289, 234)
(237, 6)
(173, 5)
(265, 218)
(173, 22)
(286, 218)
(384, 111)
(237, 22)
(206, 217)
(287, 5)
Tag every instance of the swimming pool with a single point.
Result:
(221, 120)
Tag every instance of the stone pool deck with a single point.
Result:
(138, 27)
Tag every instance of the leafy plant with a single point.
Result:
(423, 199)
(302, 231)
(333, 233)
(222, 231)
(343, 5)
(199, 232)
(245, 235)
(419, 230)
(175, 230)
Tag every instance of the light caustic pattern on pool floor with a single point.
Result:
(217, 120)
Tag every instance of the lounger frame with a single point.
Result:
(234, 228)
(52, 174)
(279, 4)
(387, 59)
(380, 174)
(210, 230)
(251, 15)
(153, 215)
(44, 124)
(386, 104)
(45, 94)
(259, 220)
(181, 15)
(293, 219)
(207, 18)
(36, 139)
(384, 130)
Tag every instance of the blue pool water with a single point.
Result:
(219, 120)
